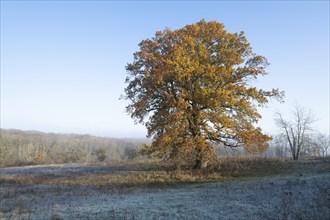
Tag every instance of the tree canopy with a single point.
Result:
(191, 87)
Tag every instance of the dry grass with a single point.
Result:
(251, 166)
(124, 179)
(155, 173)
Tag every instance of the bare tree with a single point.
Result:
(296, 128)
(320, 144)
(280, 146)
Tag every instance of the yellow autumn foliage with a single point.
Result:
(191, 88)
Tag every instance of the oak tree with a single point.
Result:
(191, 87)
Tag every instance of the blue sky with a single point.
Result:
(63, 62)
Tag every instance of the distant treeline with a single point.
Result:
(33, 147)
(18, 148)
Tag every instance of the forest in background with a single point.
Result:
(19, 148)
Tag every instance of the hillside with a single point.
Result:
(19, 147)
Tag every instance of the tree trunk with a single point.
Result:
(200, 164)
(295, 156)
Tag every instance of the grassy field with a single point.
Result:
(141, 173)
(140, 189)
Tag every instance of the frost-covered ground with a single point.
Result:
(303, 193)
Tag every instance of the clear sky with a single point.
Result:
(63, 62)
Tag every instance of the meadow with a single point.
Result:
(234, 188)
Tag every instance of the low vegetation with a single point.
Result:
(57, 176)
(152, 173)
(270, 188)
